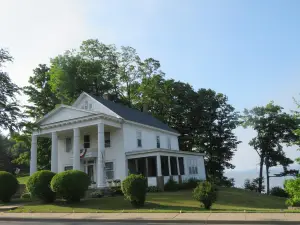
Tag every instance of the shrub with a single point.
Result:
(38, 185)
(153, 189)
(8, 186)
(292, 187)
(254, 185)
(116, 190)
(171, 185)
(205, 193)
(134, 188)
(279, 192)
(189, 184)
(26, 196)
(71, 184)
(97, 194)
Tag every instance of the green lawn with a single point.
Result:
(23, 180)
(229, 199)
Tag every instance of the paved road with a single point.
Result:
(102, 223)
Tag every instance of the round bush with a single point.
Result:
(134, 188)
(205, 193)
(171, 185)
(38, 185)
(71, 184)
(26, 196)
(279, 192)
(8, 186)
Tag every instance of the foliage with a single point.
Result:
(273, 128)
(171, 185)
(71, 185)
(8, 186)
(134, 188)
(279, 192)
(153, 189)
(26, 196)
(292, 187)
(191, 183)
(97, 194)
(116, 190)
(205, 193)
(10, 112)
(253, 185)
(38, 185)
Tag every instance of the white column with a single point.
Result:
(54, 153)
(178, 168)
(33, 155)
(101, 176)
(169, 162)
(76, 149)
(158, 165)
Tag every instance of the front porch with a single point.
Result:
(159, 165)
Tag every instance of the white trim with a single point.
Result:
(166, 152)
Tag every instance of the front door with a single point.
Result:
(90, 172)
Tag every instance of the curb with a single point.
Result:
(174, 221)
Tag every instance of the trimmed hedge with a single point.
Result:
(205, 193)
(71, 185)
(38, 185)
(171, 185)
(8, 186)
(134, 188)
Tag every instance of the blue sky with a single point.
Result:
(248, 50)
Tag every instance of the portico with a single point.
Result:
(80, 150)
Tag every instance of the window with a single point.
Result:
(193, 169)
(68, 144)
(173, 162)
(152, 166)
(139, 138)
(157, 142)
(109, 170)
(169, 142)
(90, 106)
(86, 104)
(86, 141)
(107, 139)
(68, 168)
(181, 165)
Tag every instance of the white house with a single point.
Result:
(108, 141)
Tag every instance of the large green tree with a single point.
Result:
(10, 112)
(274, 128)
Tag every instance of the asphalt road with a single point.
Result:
(100, 223)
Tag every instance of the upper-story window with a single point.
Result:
(157, 141)
(139, 138)
(169, 142)
(86, 105)
(86, 141)
(68, 144)
(107, 139)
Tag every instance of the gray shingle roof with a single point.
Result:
(134, 114)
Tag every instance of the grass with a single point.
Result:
(229, 200)
(23, 180)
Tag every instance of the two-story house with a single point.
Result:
(108, 141)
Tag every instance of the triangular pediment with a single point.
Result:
(64, 113)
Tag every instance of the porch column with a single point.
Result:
(101, 176)
(76, 149)
(158, 165)
(33, 155)
(178, 169)
(169, 164)
(54, 153)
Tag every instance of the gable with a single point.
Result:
(86, 102)
(63, 114)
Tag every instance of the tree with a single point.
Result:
(253, 185)
(10, 112)
(273, 128)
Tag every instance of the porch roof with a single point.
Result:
(145, 153)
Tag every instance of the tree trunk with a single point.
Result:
(268, 175)
(261, 167)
